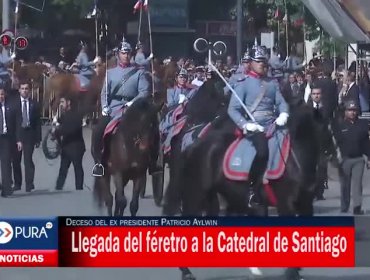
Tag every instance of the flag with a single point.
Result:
(277, 14)
(16, 8)
(94, 12)
(299, 22)
(141, 4)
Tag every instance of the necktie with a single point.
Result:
(1, 120)
(25, 120)
(317, 106)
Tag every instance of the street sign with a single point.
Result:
(21, 43)
(5, 40)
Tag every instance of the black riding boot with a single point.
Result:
(252, 196)
(258, 168)
(97, 146)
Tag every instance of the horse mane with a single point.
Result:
(140, 111)
(205, 104)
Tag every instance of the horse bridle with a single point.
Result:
(137, 140)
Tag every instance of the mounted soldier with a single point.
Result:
(85, 67)
(123, 85)
(170, 126)
(181, 91)
(243, 69)
(5, 60)
(260, 95)
(277, 66)
(139, 58)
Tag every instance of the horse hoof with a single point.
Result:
(293, 274)
(188, 276)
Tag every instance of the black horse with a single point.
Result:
(203, 108)
(128, 154)
(202, 177)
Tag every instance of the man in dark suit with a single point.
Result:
(322, 116)
(329, 96)
(353, 91)
(30, 137)
(69, 130)
(10, 124)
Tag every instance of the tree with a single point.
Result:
(83, 6)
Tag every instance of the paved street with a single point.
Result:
(47, 202)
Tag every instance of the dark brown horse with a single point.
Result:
(127, 156)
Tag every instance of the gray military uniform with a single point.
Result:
(136, 85)
(141, 60)
(248, 91)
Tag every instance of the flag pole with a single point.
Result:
(151, 45)
(278, 33)
(95, 12)
(15, 36)
(286, 29)
(304, 36)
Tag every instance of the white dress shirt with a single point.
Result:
(4, 119)
(307, 92)
(316, 105)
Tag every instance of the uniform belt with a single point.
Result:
(122, 98)
(263, 113)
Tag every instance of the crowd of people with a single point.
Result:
(328, 91)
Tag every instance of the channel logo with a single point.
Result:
(6, 232)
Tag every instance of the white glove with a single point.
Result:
(96, 60)
(151, 56)
(182, 98)
(304, 63)
(252, 127)
(105, 112)
(282, 119)
(12, 56)
(128, 104)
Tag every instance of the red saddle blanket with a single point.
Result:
(110, 128)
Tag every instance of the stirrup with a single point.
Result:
(251, 197)
(98, 165)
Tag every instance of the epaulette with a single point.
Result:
(243, 78)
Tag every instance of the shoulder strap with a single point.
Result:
(257, 101)
(123, 81)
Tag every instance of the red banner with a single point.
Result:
(28, 258)
(207, 247)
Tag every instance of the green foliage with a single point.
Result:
(82, 7)
(296, 10)
(326, 46)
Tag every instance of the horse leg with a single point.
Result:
(108, 197)
(173, 196)
(136, 190)
(120, 198)
(213, 204)
(304, 203)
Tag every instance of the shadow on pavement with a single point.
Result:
(46, 192)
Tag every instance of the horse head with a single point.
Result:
(207, 102)
(139, 125)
